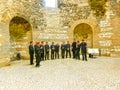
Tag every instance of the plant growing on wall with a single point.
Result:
(98, 7)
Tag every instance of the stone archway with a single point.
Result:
(94, 43)
(84, 31)
(20, 36)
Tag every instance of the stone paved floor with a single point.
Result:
(102, 73)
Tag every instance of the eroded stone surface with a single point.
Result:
(59, 25)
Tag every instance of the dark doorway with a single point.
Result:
(84, 31)
(20, 36)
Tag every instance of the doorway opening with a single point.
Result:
(20, 36)
(84, 31)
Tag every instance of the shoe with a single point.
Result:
(32, 64)
(37, 65)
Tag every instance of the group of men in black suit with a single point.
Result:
(42, 51)
(76, 47)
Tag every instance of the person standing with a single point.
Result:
(35, 48)
(38, 55)
(42, 50)
(52, 50)
(63, 48)
(31, 53)
(74, 48)
(68, 49)
(77, 51)
(57, 51)
(46, 51)
(84, 50)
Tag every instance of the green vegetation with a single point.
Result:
(98, 7)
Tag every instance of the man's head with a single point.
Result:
(47, 43)
(67, 42)
(63, 42)
(78, 42)
(42, 42)
(31, 42)
(82, 40)
(52, 43)
(37, 43)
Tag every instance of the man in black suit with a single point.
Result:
(52, 50)
(37, 54)
(84, 50)
(63, 48)
(68, 49)
(35, 48)
(42, 50)
(74, 48)
(77, 51)
(57, 51)
(47, 51)
(31, 53)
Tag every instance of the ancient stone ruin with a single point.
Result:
(24, 20)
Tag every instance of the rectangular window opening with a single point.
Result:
(51, 3)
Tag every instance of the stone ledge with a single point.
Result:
(4, 62)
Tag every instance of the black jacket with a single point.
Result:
(73, 46)
(67, 47)
(57, 48)
(63, 47)
(83, 47)
(42, 48)
(46, 48)
(31, 49)
(52, 48)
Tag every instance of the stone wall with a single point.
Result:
(8, 10)
(58, 24)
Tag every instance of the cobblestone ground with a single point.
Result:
(102, 73)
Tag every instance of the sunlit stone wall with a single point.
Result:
(4, 35)
(53, 30)
(109, 30)
(28, 10)
(58, 24)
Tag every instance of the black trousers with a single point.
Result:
(84, 56)
(42, 56)
(63, 54)
(73, 53)
(38, 59)
(77, 54)
(31, 58)
(47, 56)
(56, 55)
(52, 54)
(68, 52)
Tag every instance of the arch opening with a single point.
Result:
(20, 35)
(84, 31)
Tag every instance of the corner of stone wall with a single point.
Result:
(4, 62)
